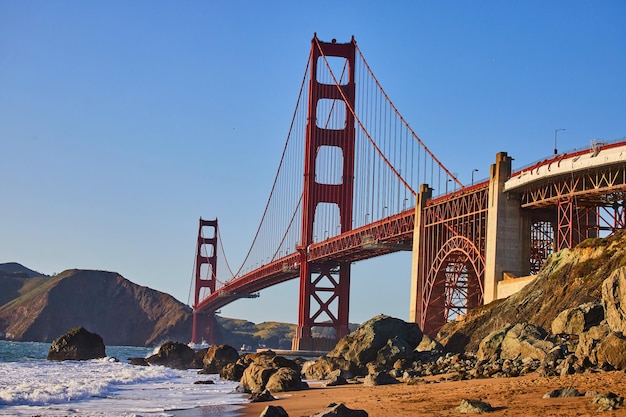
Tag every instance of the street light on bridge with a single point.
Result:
(555, 132)
(474, 170)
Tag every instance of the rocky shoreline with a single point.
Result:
(575, 351)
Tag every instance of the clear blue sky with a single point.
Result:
(121, 123)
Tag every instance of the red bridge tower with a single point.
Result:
(205, 277)
(325, 287)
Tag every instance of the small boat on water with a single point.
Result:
(197, 346)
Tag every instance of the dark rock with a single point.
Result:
(255, 377)
(274, 411)
(614, 300)
(325, 366)
(138, 361)
(473, 407)
(395, 349)
(205, 382)
(364, 344)
(336, 378)
(525, 340)
(218, 356)
(285, 379)
(173, 355)
(261, 396)
(341, 410)
(563, 392)
(612, 350)
(232, 372)
(382, 340)
(198, 358)
(78, 344)
(428, 345)
(608, 401)
(589, 340)
(491, 345)
(579, 319)
(379, 378)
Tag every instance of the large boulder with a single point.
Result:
(370, 341)
(490, 347)
(232, 372)
(173, 355)
(326, 367)
(612, 350)
(285, 379)
(521, 341)
(78, 344)
(579, 319)
(525, 341)
(255, 377)
(260, 367)
(614, 300)
(588, 342)
(218, 356)
(274, 411)
(382, 340)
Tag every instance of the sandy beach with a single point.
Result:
(521, 396)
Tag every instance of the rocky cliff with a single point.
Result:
(123, 313)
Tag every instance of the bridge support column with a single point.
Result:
(417, 269)
(507, 247)
(203, 327)
(325, 288)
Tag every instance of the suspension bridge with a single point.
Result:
(355, 182)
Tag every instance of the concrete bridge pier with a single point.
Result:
(507, 247)
(415, 312)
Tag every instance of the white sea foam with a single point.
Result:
(103, 387)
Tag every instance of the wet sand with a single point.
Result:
(521, 396)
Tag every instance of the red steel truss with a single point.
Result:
(586, 202)
(451, 261)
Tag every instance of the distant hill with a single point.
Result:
(106, 303)
(15, 269)
(35, 307)
(16, 279)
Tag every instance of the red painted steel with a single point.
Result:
(451, 262)
(203, 327)
(391, 234)
(319, 278)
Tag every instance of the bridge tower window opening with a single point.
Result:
(330, 114)
(339, 67)
(329, 165)
(326, 222)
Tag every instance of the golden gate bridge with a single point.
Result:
(355, 182)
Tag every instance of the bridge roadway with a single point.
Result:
(391, 234)
(594, 176)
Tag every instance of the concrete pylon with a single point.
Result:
(425, 194)
(507, 248)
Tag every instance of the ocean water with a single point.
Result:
(32, 386)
